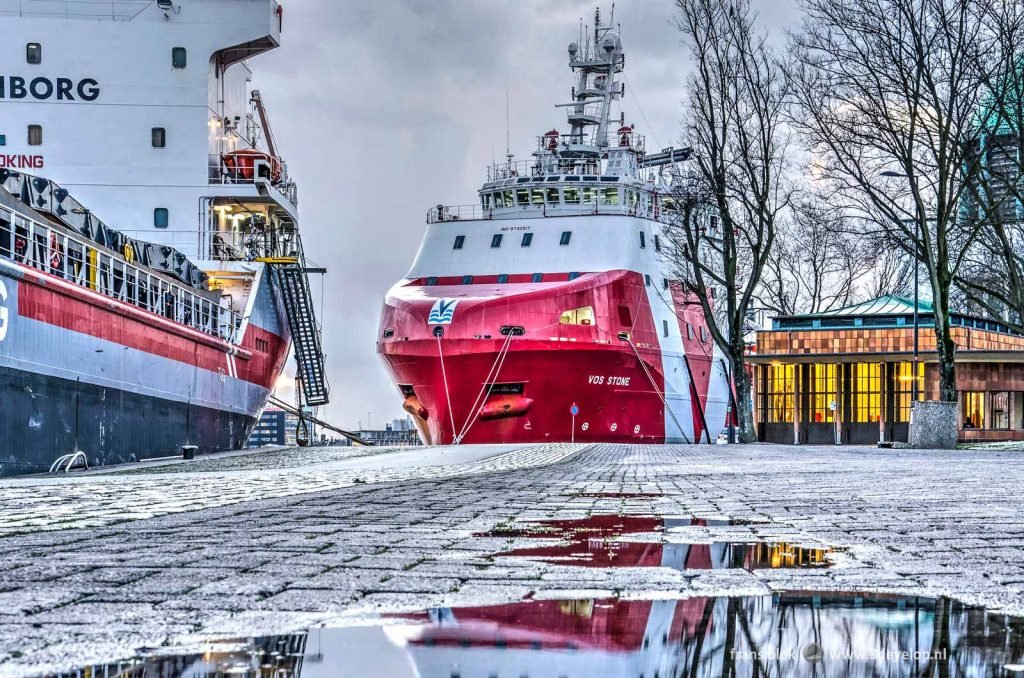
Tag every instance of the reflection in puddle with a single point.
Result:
(798, 634)
(619, 495)
(595, 542)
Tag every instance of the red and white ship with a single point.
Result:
(547, 311)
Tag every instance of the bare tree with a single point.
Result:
(816, 264)
(893, 87)
(730, 205)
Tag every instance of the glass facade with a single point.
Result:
(867, 392)
(903, 380)
(823, 392)
(973, 409)
(779, 396)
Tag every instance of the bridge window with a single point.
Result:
(509, 202)
(161, 217)
(566, 237)
(496, 240)
(460, 240)
(35, 135)
(574, 275)
(34, 53)
(552, 198)
(498, 199)
(179, 57)
(502, 278)
(467, 280)
(611, 196)
(522, 196)
(431, 281)
(589, 195)
(538, 277)
(578, 316)
(159, 137)
(537, 196)
(527, 239)
(572, 196)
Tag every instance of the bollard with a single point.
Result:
(189, 451)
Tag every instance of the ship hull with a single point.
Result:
(80, 371)
(474, 384)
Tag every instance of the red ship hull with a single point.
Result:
(477, 385)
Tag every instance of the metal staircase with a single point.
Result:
(290, 276)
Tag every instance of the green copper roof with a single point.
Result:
(887, 304)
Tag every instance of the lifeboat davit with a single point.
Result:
(242, 164)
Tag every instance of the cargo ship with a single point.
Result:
(548, 311)
(152, 278)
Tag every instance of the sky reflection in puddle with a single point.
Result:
(794, 634)
(596, 542)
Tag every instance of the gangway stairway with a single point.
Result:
(290, 276)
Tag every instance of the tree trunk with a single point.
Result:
(946, 350)
(742, 384)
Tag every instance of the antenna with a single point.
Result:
(508, 124)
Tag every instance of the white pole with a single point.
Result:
(572, 438)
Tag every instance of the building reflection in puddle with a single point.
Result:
(795, 634)
(597, 541)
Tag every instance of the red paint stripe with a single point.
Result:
(56, 302)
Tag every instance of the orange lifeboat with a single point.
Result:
(241, 165)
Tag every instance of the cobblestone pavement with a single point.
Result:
(95, 567)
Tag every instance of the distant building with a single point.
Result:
(848, 375)
(277, 427)
(398, 432)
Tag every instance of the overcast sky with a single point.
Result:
(383, 108)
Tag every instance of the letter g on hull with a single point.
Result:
(3, 311)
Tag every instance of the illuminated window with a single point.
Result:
(498, 199)
(522, 196)
(35, 135)
(34, 53)
(823, 393)
(1001, 410)
(903, 374)
(779, 395)
(589, 195)
(552, 198)
(578, 316)
(572, 196)
(867, 392)
(610, 197)
(974, 409)
(509, 200)
(179, 57)
(537, 196)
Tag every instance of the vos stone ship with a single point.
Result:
(152, 280)
(546, 312)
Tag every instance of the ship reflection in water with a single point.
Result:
(795, 634)
(605, 541)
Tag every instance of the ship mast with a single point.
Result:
(596, 60)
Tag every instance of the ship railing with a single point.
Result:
(630, 139)
(222, 173)
(115, 10)
(475, 212)
(81, 262)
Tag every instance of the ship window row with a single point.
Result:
(498, 238)
(556, 196)
(501, 279)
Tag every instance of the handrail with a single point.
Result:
(26, 241)
(476, 212)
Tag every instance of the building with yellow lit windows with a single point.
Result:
(849, 376)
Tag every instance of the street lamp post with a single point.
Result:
(917, 266)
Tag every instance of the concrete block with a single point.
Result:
(934, 425)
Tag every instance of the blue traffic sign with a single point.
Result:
(574, 410)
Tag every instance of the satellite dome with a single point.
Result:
(611, 42)
(573, 48)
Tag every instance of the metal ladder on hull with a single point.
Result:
(290, 276)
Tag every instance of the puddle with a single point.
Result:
(597, 542)
(796, 634)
